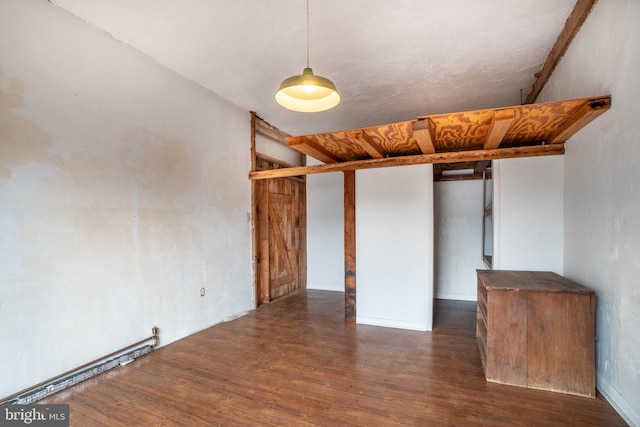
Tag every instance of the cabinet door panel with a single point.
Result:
(507, 338)
(560, 337)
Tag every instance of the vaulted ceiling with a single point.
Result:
(392, 61)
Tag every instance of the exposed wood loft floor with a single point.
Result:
(295, 363)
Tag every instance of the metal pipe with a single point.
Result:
(153, 337)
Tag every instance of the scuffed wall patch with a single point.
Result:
(21, 140)
(161, 163)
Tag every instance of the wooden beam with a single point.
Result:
(350, 247)
(423, 136)
(449, 157)
(254, 125)
(267, 130)
(300, 179)
(302, 158)
(464, 177)
(370, 146)
(500, 123)
(280, 163)
(580, 119)
(579, 14)
(310, 148)
(481, 166)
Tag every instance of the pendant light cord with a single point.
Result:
(307, 33)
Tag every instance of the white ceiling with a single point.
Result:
(391, 60)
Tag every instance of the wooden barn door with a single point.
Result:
(281, 234)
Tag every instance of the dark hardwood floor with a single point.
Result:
(295, 363)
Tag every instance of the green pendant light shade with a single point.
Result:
(307, 92)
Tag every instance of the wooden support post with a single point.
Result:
(263, 223)
(254, 214)
(350, 247)
(302, 261)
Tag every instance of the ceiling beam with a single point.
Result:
(459, 177)
(579, 14)
(268, 130)
(580, 119)
(500, 124)
(310, 148)
(361, 138)
(423, 136)
(450, 157)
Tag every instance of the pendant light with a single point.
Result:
(307, 92)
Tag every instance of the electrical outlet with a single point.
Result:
(201, 292)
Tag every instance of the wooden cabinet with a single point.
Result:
(536, 330)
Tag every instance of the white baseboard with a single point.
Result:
(619, 403)
(317, 287)
(390, 323)
(457, 297)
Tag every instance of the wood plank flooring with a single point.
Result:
(296, 363)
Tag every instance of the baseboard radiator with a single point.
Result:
(89, 370)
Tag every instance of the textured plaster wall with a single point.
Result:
(123, 191)
(602, 202)
(458, 238)
(528, 214)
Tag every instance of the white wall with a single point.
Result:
(528, 214)
(394, 247)
(276, 150)
(123, 191)
(325, 231)
(602, 202)
(458, 238)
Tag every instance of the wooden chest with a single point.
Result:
(536, 329)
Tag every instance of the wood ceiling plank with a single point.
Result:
(579, 14)
(422, 135)
(394, 139)
(460, 131)
(450, 157)
(368, 144)
(582, 117)
(310, 148)
(500, 124)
